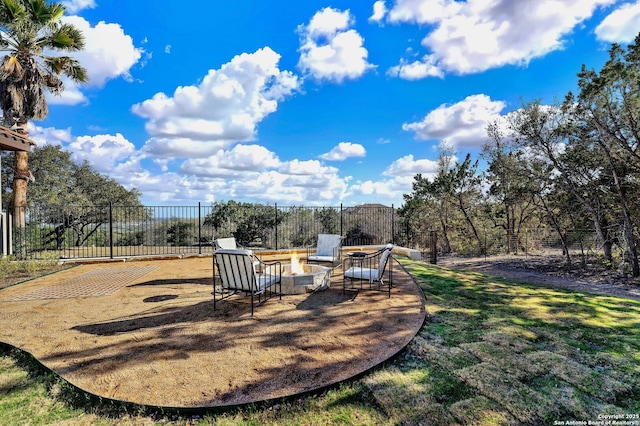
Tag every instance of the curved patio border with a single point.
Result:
(158, 342)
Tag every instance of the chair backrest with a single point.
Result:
(384, 258)
(236, 271)
(226, 243)
(327, 243)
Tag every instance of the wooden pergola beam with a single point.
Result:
(14, 141)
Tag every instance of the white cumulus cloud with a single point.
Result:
(343, 151)
(622, 25)
(224, 108)
(383, 191)
(461, 124)
(48, 135)
(416, 70)
(408, 166)
(109, 53)
(102, 151)
(474, 36)
(232, 163)
(379, 11)
(331, 49)
(306, 168)
(75, 6)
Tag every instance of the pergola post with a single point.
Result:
(10, 141)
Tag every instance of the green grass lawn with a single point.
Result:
(492, 352)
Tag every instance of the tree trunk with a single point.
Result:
(469, 221)
(626, 214)
(562, 232)
(20, 182)
(603, 238)
(445, 230)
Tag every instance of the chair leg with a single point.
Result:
(214, 289)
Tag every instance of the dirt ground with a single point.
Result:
(146, 332)
(550, 271)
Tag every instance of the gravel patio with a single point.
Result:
(145, 332)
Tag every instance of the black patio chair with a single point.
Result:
(239, 271)
(366, 271)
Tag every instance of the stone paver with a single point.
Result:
(99, 282)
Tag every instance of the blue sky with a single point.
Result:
(311, 102)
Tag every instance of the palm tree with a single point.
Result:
(30, 30)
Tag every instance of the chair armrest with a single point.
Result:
(368, 260)
(271, 271)
(264, 265)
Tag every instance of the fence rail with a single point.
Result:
(114, 231)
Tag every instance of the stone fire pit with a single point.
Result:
(312, 278)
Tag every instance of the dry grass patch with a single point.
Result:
(481, 411)
(450, 358)
(516, 339)
(395, 390)
(500, 352)
(508, 361)
(520, 400)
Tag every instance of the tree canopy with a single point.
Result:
(60, 183)
(72, 196)
(566, 166)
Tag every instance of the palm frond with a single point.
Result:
(57, 11)
(11, 69)
(54, 83)
(67, 66)
(13, 9)
(3, 43)
(66, 37)
(16, 98)
(76, 72)
(54, 63)
(40, 11)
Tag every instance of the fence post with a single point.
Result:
(341, 233)
(434, 247)
(393, 225)
(199, 230)
(486, 249)
(110, 230)
(276, 223)
(9, 233)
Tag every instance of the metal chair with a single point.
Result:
(229, 243)
(366, 271)
(226, 243)
(327, 249)
(236, 271)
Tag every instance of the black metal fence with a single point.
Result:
(533, 242)
(123, 231)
